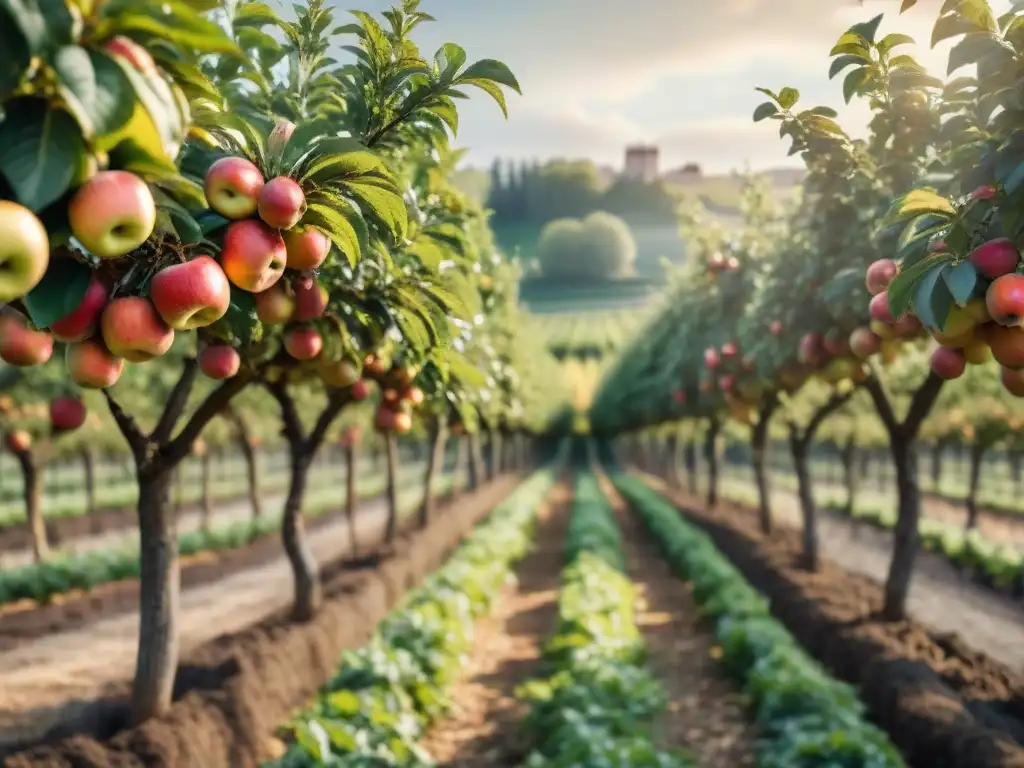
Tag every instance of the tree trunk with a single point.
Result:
(906, 535)
(808, 512)
(179, 487)
(159, 592)
(672, 461)
(977, 453)
(1015, 471)
(350, 495)
(305, 572)
(759, 438)
(690, 461)
(848, 456)
(474, 461)
(495, 454)
(206, 498)
(251, 473)
(435, 462)
(31, 476)
(711, 456)
(391, 448)
(89, 473)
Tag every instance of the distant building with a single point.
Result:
(686, 174)
(641, 163)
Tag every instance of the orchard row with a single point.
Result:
(886, 306)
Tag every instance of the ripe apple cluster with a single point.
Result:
(66, 414)
(733, 375)
(974, 333)
(398, 395)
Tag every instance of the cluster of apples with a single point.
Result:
(66, 414)
(398, 395)
(732, 374)
(975, 333)
(719, 263)
(264, 238)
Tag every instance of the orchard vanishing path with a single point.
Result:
(55, 678)
(939, 596)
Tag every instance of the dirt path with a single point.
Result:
(48, 680)
(482, 731)
(939, 596)
(706, 714)
(325, 482)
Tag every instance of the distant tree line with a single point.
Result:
(531, 193)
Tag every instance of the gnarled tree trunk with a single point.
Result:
(711, 456)
(808, 511)
(307, 594)
(848, 456)
(758, 444)
(32, 481)
(435, 462)
(978, 448)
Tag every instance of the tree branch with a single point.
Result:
(922, 402)
(214, 404)
(882, 404)
(335, 405)
(176, 402)
(137, 440)
(834, 403)
(291, 421)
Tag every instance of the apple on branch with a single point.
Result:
(112, 214)
(233, 186)
(253, 256)
(81, 322)
(219, 361)
(91, 365)
(282, 203)
(191, 295)
(303, 343)
(24, 251)
(134, 330)
(21, 345)
(67, 413)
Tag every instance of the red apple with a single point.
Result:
(24, 251)
(375, 365)
(1007, 345)
(360, 390)
(834, 346)
(402, 422)
(112, 214)
(880, 273)
(995, 258)
(81, 322)
(1013, 381)
(253, 256)
(948, 363)
(303, 343)
(22, 346)
(812, 349)
(776, 328)
(275, 306)
(219, 361)
(339, 373)
(233, 186)
(19, 441)
(307, 248)
(727, 383)
(732, 264)
(134, 53)
(908, 326)
(384, 419)
(728, 350)
(282, 203)
(67, 413)
(1005, 300)
(879, 308)
(711, 358)
(133, 329)
(91, 365)
(191, 295)
(864, 343)
(310, 300)
(413, 396)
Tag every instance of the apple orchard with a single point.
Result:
(198, 201)
(894, 284)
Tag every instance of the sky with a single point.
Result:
(600, 74)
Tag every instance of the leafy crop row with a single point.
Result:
(806, 717)
(597, 706)
(86, 571)
(377, 707)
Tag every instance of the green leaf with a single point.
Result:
(491, 69)
(15, 55)
(920, 201)
(169, 20)
(341, 168)
(240, 324)
(764, 111)
(950, 26)
(906, 5)
(339, 228)
(44, 24)
(961, 281)
(41, 151)
(95, 89)
(932, 299)
(867, 29)
(59, 293)
(839, 63)
(854, 81)
(254, 15)
(901, 290)
(788, 97)
(893, 40)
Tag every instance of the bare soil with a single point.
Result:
(77, 681)
(483, 729)
(707, 714)
(942, 702)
